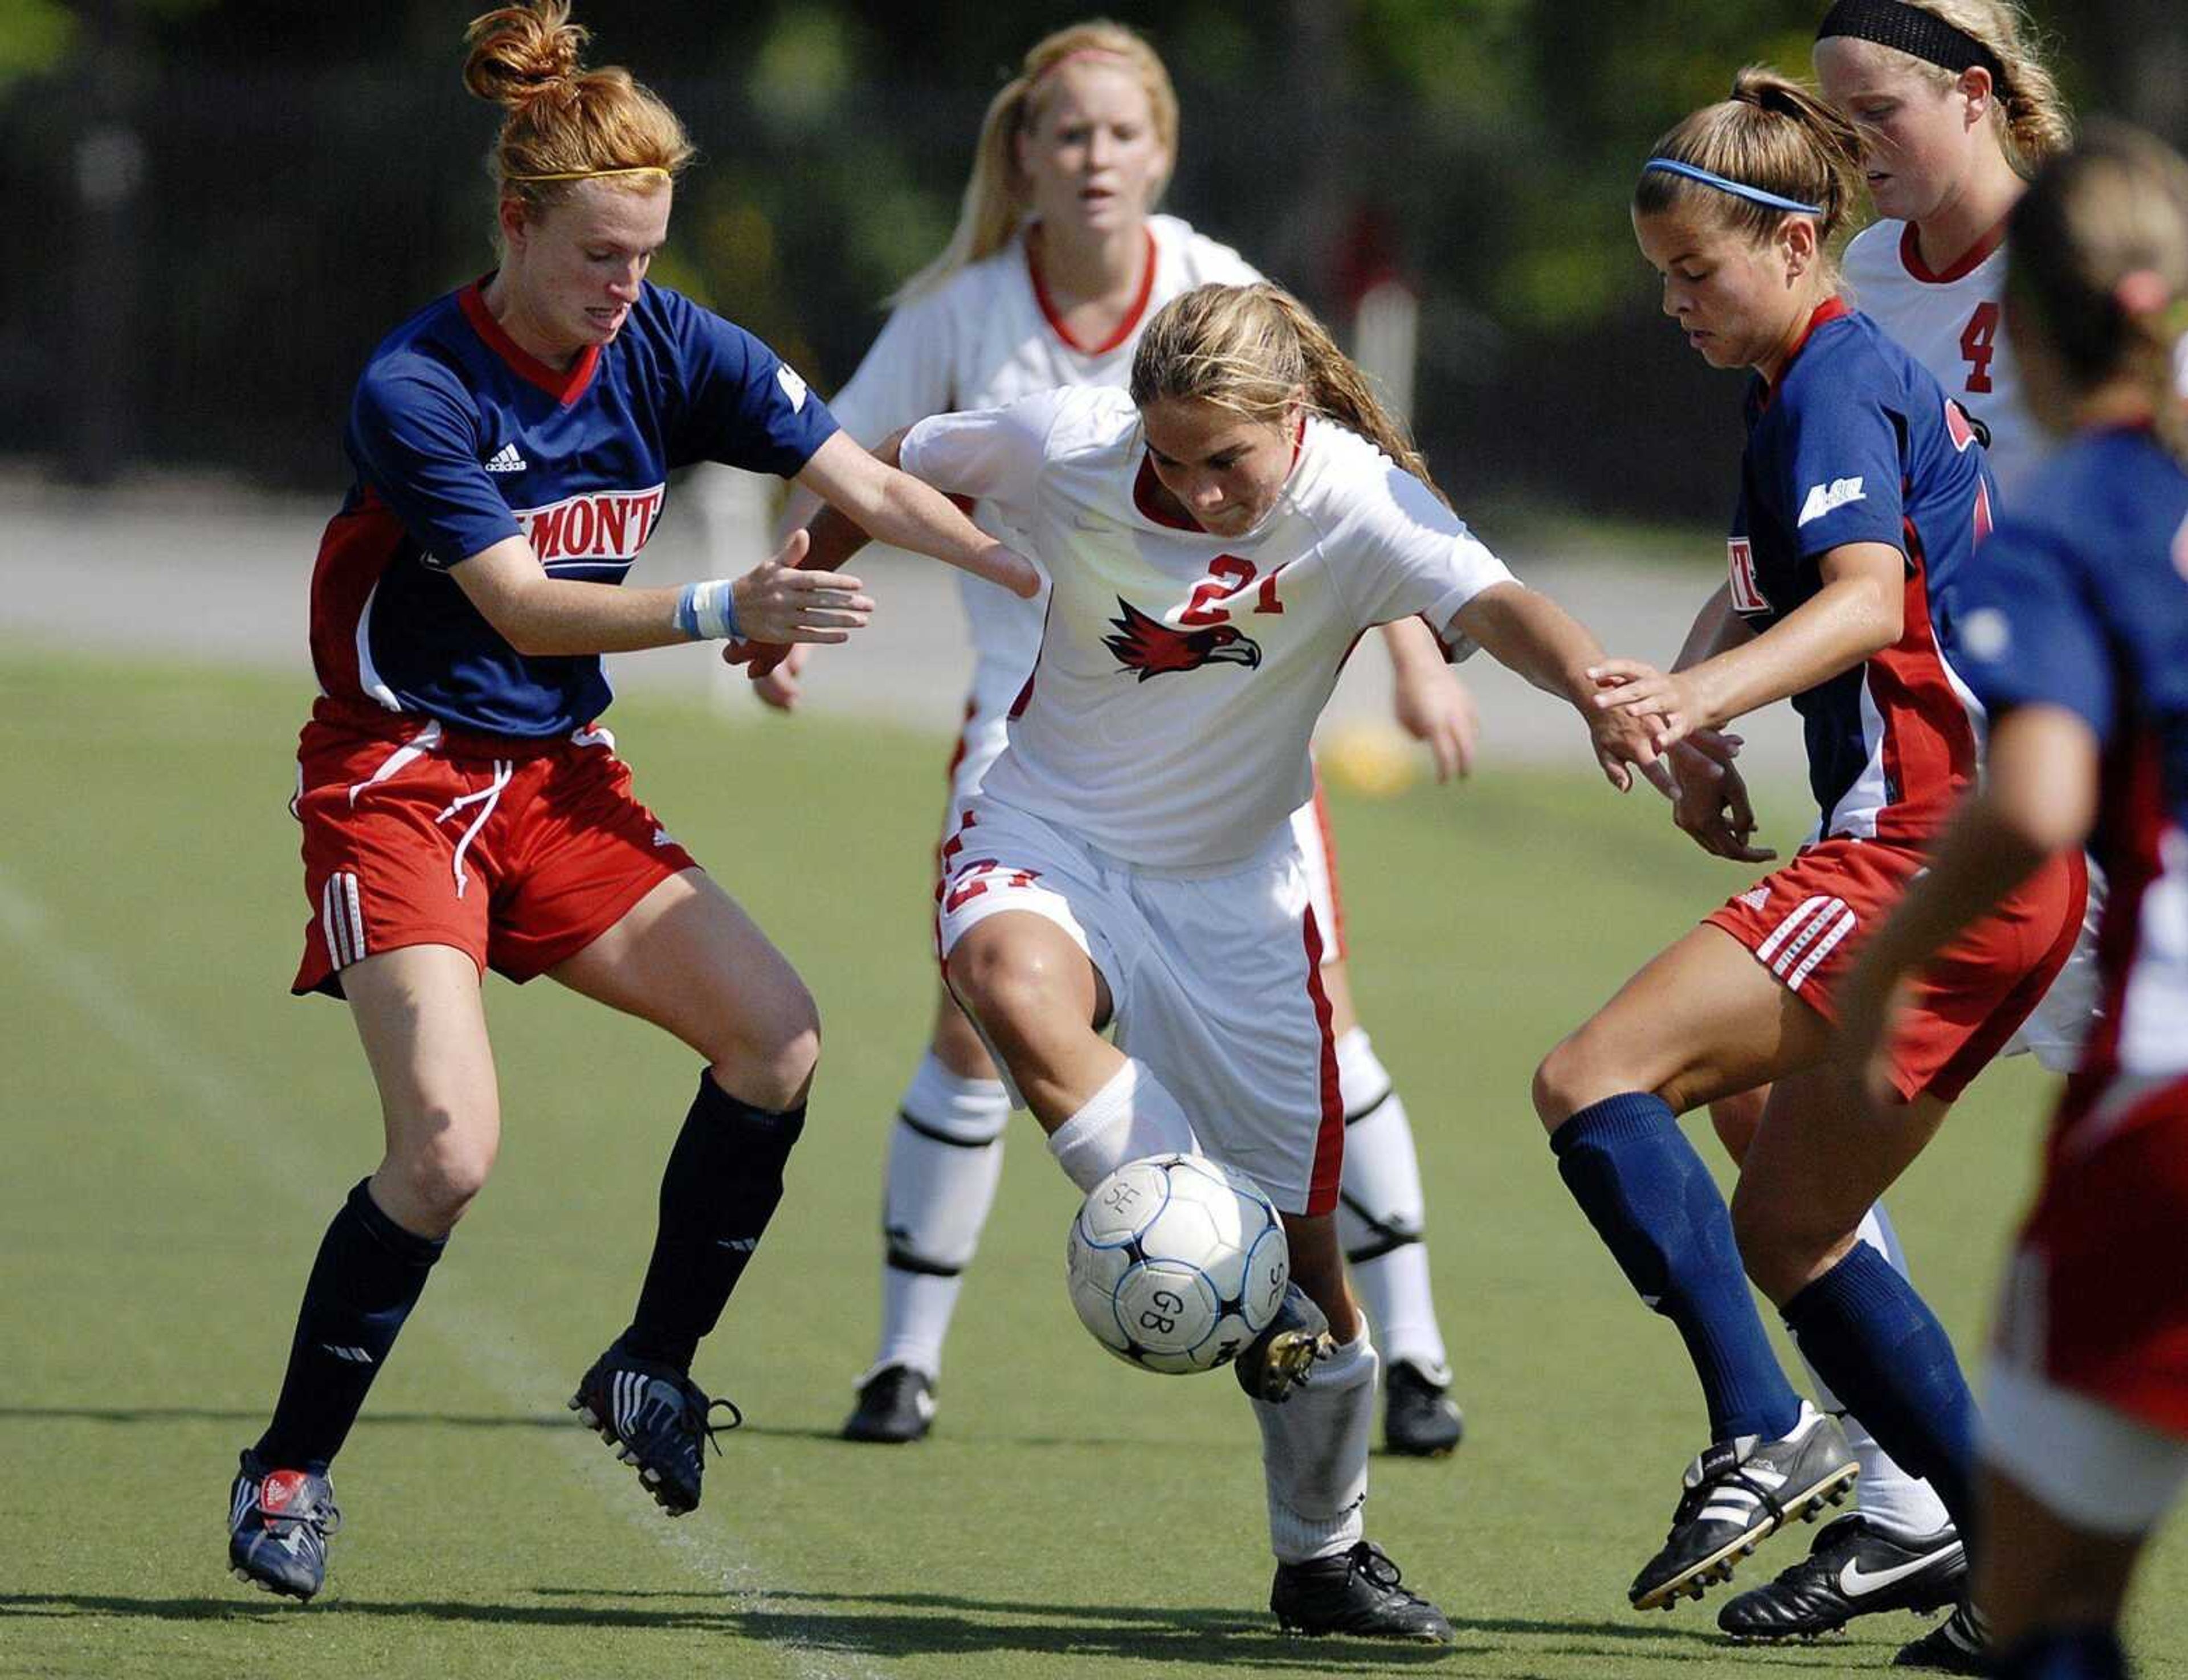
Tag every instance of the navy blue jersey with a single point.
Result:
(1858, 443)
(460, 439)
(2082, 602)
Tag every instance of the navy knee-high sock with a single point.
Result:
(724, 1179)
(1869, 1336)
(2066, 1653)
(1652, 1201)
(369, 1275)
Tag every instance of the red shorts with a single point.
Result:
(2098, 1297)
(518, 853)
(1806, 923)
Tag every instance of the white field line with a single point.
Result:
(491, 1346)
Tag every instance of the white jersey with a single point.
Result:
(984, 338)
(1181, 673)
(1953, 324)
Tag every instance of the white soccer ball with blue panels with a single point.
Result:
(1175, 1262)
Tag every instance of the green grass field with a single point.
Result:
(178, 1131)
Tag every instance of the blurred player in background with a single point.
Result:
(1218, 538)
(461, 808)
(2076, 629)
(1056, 264)
(1955, 109)
(1863, 493)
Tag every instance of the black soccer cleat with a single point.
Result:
(1419, 1419)
(277, 1524)
(656, 1418)
(896, 1404)
(1959, 1644)
(1276, 1361)
(1855, 1568)
(1738, 1494)
(1355, 1592)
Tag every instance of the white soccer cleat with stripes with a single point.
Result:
(1737, 1494)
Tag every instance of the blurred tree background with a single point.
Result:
(218, 206)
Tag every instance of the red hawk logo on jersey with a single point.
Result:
(1151, 648)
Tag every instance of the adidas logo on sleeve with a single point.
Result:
(506, 459)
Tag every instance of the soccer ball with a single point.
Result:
(1175, 1262)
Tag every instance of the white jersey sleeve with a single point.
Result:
(907, 375)
(995, 455)
(1407, 553)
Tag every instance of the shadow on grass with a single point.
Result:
(899, 1624)
(254, 1421)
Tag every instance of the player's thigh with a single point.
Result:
(1018, 973)
(422, 1022)
(1818, 1161)
(1701, 1020)
(956, 1041)
(1337, 987)
(1736, 1118)
(689, 960)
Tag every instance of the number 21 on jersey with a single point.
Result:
(1229, 576)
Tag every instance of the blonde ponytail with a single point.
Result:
(2032, 122)
(994, 199)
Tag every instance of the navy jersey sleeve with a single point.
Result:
(414, 435)
(2029, 632)
(743, 405)
(1833, 469)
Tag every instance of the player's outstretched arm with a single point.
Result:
(1533, 636)
(1860, 611)
(1430, 703)
(885, 503)
(2039, 795)
(541, 614)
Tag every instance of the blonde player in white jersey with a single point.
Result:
(1055, 266)
(1956, 110)
(1218, 538)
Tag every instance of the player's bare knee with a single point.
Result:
(1736, 1118)
(436, 1178)
(1006, 989)
(1558, 1081)
(766, 1056)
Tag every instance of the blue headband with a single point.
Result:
(1671, 165)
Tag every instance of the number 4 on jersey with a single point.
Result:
(1979, 343)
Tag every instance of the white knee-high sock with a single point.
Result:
(945, 1158)
(1381, 1212)
(1129, 1118)
(1887, 1494)
(1314, 1456)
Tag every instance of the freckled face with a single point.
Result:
(575, 272)
(1223, 470)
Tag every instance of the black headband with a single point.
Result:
(1911, 30)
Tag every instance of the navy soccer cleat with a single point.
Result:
(896, 1404)
(1419, 1419)
(1855, 1568)
(1356, 1593)
(656, 1418)
(1276, 1361)
(278, 1526)
(1738, 1494)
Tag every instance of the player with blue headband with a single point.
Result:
(1863, 493)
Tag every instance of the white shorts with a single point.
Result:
(1216, 980)
(2059, 1026)
(2096, 1467)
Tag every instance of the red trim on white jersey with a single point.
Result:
(1329, 1138)
(565, 386)
(1336, 954)
(1133, 316)
(1910, 257)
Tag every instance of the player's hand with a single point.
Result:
(1666, 701)
(777, 602)
(1623, 740)
(1711, 804)
(1433, 705)
(777, 685)
(1861, 1049)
